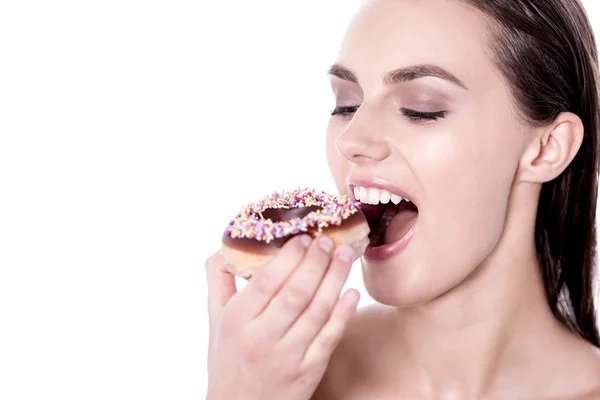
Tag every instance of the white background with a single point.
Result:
(130, 133)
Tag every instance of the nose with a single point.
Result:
(359, 144)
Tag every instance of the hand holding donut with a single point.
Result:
(273, 339)
(259, 230)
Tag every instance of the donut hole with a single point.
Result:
(380, 217)
(286, 214)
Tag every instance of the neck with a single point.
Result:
(463, 342)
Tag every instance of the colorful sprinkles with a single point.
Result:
(250, 223)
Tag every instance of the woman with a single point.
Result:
(484, 114)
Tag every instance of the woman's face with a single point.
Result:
(425, 114)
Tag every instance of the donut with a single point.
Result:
(260, 229)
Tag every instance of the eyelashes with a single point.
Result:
(414, 115)
(411, 115)
(344, 111)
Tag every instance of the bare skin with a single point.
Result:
(462, 312)
(482, 329)
(274, 338)
(372, 362)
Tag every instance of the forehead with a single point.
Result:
(390, 34)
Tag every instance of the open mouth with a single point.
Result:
(390, 216)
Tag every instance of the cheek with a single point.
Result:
(466, 176)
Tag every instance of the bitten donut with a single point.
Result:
(260, 229)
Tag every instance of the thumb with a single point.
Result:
(221, 287)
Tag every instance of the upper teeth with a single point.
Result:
(375, 196)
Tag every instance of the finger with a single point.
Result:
(221, 287)
(305, 329)
(268, 281)
(330, 336)
(300, 288)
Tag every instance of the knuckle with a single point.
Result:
(304, 380)
(317, 260)
(318, 315)
(259, 341)
(286, 370)
(253, 355)
(255, 335)
(295, 296)
(263, 284)
(316, 263)
(330, 340)
(255, 349)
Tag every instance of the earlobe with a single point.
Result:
(552, 149)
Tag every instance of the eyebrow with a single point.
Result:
(401, 75)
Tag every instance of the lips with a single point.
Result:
(391, 213)
(389, 250)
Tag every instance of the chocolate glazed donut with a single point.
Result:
(261, 229)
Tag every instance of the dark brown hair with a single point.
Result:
(547, 53)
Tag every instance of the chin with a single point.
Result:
(411, 278)
(399, 284)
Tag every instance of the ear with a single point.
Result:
(552, 149)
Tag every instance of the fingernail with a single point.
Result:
(326, 243)
(305, 240)
(345, 253)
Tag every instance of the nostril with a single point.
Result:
(347, 149)
(359, 149)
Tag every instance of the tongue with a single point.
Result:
(400, 225)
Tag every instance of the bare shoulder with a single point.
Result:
(591, 396)
(350, 360)
(582, 367)
(356, 360)
(594, 374)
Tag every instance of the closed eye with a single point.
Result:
(412, 115)
(419, 116)
(344, 111)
